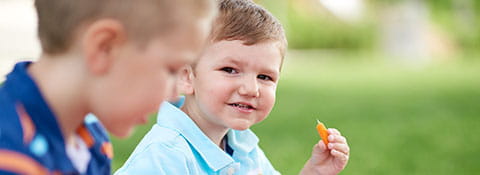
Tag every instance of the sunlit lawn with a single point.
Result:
(399, 118)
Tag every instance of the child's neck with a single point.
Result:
(61, 90)
(213, 131)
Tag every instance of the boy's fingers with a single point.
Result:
(341, 156)
(321, 146)
(337, 139)
(333, 131)
(320, 152)
(339, 147)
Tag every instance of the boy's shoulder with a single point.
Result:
(161, 146)
(163, 137)
(17, 129)
(34, 148)
(11, 129)
(29, 133)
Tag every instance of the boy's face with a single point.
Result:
(141, 78)
(234, 84)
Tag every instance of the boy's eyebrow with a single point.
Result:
(272, 72)
(235, 61)
(232, 60)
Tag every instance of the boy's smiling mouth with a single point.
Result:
(244, 107)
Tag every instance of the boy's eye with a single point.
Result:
(229, 70)
(265, 77)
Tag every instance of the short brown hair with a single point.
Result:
(249, 22)
(59, 20)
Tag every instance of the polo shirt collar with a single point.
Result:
(173, 118)
(242, 141)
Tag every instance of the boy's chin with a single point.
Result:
(122, 132)
(240, 127)
(240, 124)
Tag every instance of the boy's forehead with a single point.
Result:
(266, 54)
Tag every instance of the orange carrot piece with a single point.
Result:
(322, 131)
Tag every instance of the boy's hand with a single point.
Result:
(328, 161)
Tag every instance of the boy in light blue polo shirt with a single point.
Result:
(231, 87)
(97, 59)
(176, 145)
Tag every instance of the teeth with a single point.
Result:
(241, 105)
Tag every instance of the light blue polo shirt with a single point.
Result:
(176, 146)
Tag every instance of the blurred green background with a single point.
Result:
(400, 79)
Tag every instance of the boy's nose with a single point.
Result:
(249, 87)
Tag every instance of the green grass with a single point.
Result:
(399, 118)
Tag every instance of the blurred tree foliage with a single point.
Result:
(460, 18)
(309, 25)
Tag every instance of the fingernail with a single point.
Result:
(333, 151)
(330, 138)
(330, 146)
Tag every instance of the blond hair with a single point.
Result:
(59, 20)
(246, 21)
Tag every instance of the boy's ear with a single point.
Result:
(185, 80)
(99, 41)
